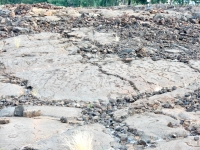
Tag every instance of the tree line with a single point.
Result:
(93, 3)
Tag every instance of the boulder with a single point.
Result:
(19, 111)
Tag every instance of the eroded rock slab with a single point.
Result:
(154, 126)
(183, 144)
(55, 75)
(7, 89)
(60, 141)
(49, 111)
(12, 135)
(56, 111)
(46, 133)
(150, 76)
(91, 34)
(195, 64)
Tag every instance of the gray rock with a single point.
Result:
(19, 111)
(196, 15)
(142, 142)
(63, 119)
(156, 130)
(158, 16)
(123, 137)
(19, 29)
(72, 50)
(7, 112)
(4, 12)
(196, 138)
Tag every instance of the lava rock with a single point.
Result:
(19, 29)
(196, 138)
(141, 52)
(63, 119)
(19, 111)
(142, 142)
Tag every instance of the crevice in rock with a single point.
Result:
(196, 69)
(115, 75)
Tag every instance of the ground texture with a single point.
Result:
(130, 76)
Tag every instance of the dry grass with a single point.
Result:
(17, 42)
(81, 140)
(117, 38)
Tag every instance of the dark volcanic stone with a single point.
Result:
(19, 111)
(174, 88)
(63, 119)
(196, 138)
(142, 142)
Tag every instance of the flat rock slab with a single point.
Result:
(75, 82)
(181, 114)
(7, 89)
(49, 111)
(195, 64)
(7, 112)
(168, 97)
(180, 144)
(56, 111)
(55, 75)
(101, 140)
(48, 133)
(89, 33)
(24, 131)
(150, 76)
(154, 126)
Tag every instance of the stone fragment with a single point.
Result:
(141, 52)
(4, 121)
(196, 138)
(63, 119)
(19, 111)
(173, 125)
(120, 114)
(142, 142)
(48, 13)
(19, 29)
(196, 15)
(76, 122)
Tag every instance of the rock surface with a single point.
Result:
(130, 76)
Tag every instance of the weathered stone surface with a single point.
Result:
(100, 61)
(40, 137)
(154, 126)
(155, 102)
(183, 144)
(179, 113)
(95, 130)
(195, 64)
(7, 112)
(120, 114)
(150, 76)
(19, 111)
(7, 89)
(49, 111)
(90, 33)
(54, 74)
(56, 112)
(13, 134)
